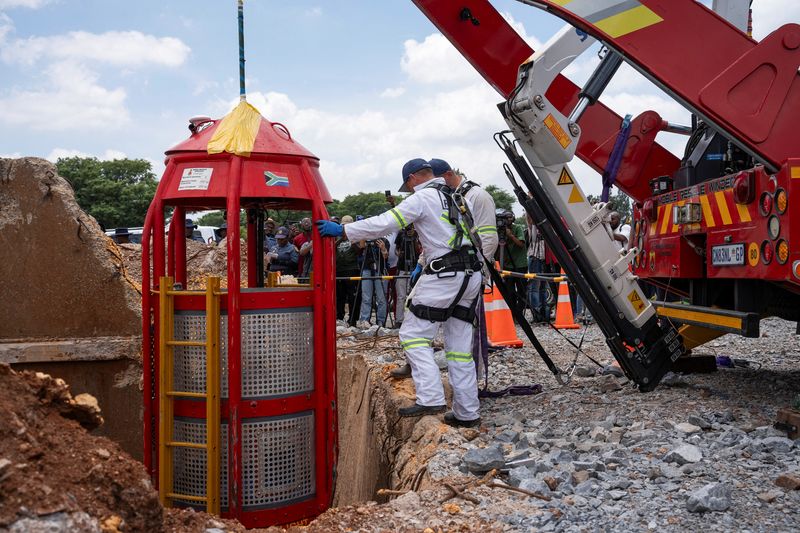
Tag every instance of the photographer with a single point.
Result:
(347, 265)
(512, 253)
(408, 250)
(374, 263)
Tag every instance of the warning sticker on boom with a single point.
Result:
(565, 178)
(557, 131)
(636, 301)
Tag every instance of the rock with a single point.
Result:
(408, 502)
(587, 488)
(441, 359)
(579, 477)
(212, 530)
(599, 434)
(484, 459)
(4, 464)
(536, 486)
(687, 428)
(509, 436)
(617, 494)
(469, 433)
(562, 456)
(102, 453)
(519, 474)
(699, 421)
(582, 465)
(56, 523)
(769, 496)
(584, 371)
(609, 383)
(776, 444)
(711, 497)
(551, 482)
(788, 481)
(687, 453)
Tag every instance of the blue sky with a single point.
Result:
(363, 84)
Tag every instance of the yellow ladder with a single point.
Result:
(167, 343)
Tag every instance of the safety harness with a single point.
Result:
(505, 291)
(461, 259)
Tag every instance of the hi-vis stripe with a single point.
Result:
(497, 304)
(613, 17)
(719, 209)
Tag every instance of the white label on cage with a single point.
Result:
(195, 179)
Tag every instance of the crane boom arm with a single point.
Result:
(496, 51)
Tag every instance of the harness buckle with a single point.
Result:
(436, 270)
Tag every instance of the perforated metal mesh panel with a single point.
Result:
(189, 465)
(277, 353)
(190, 361)
(278, 460)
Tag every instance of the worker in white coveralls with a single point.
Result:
(446, 293)
(484, 230)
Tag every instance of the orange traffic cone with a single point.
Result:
(499, 322)
(564, 317)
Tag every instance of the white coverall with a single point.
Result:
(427, 210)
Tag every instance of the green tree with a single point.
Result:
(116, 193)
(364, 203)
(502, 198)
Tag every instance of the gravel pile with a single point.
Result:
(697, 453)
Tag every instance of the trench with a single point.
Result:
(377, 448)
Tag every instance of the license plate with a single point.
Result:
(728, 254)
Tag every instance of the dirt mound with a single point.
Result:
(66, 278)
(55, 476)
(202, 260)
(55, 467)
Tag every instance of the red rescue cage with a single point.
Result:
(240, 376)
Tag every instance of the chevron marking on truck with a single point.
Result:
(613, 17)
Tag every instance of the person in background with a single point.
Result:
(621, 232)
(389, 286)
(515, 256)
(408, 249)
(294, 231)
(376, 255)
(283, 256)
(537, 289)
(221, 233)
(269, 234)
(189, 232)
(347, 265)
(302, 238)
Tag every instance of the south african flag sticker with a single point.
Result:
(273, 180)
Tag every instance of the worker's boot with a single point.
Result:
(421, 410)
(451, 420)
(401, 372)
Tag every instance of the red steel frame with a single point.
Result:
(749, 90)
(243, 188)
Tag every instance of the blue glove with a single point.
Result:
(416, 273)
(329, 229)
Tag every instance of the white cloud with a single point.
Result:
(72, 100)
(435, 60)
(393, 92)
(769, 15)
(108, 155)
(13, 155)
(30, 4)
(314, 12)
(117, 48)
(6, 26)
